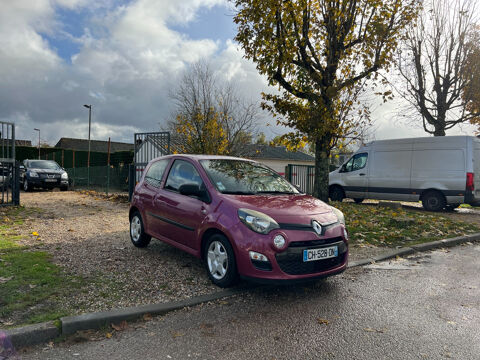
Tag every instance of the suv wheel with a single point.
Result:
(220, 261)
(26, 185)
(137, 232)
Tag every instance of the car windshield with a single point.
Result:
(245, 178)
(49, 165)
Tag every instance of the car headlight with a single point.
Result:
(33, 174)
(339, 215)
(257, 221)
(65, 176)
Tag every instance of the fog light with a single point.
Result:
(279, 241)
(257, 256)
(345, 233)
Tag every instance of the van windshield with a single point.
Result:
(245, 178)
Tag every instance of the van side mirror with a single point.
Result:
(343, 168)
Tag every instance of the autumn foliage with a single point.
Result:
(316, 52)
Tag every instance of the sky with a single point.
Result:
(123, 57)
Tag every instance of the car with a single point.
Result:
(5, 175)
(239, 216)
(442, 172)
(46, 174)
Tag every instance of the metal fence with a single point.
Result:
(148, 146)
(9, 168)
(302, 176)
(108, 179)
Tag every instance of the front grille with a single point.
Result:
(291, 261)
(315, 243)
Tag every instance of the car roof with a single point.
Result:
(205, 157)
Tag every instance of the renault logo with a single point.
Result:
(317, 227)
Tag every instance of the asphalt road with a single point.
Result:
(424, 307)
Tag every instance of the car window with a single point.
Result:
(357, 162)
(43, 164)
(182, 172)
(155, 173)
(245, 177)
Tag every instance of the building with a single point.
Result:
(277, 157)
(95, 145)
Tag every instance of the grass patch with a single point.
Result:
(30, 284)
(378, 226)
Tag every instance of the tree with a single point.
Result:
(471, 94)
(316, 51)
(433, 62)
(210, 117)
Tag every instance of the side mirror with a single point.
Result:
(189, 189)
(194, 190)
(22, 167)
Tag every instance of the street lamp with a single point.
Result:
(89, 107)
(38, 142)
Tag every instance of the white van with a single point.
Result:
(439, 171)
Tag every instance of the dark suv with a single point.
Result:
(46, 174)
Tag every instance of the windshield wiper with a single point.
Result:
(238, 192)
(275, 192)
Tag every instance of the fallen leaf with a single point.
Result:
(451, 322)
(31, 286)
(147, 317)
(322, 321)
(5, 279)
(35, 233)
(108, 335)
(177, 334)
(120, 327)
(374, 330)
(70, 230)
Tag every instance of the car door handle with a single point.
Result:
(204, 211)
(362, 174)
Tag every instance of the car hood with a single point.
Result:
(49, 171)
(293, 209)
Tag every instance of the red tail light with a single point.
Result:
(470, 184)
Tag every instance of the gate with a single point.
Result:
(9, 168)
(302, 176)
(147, 146)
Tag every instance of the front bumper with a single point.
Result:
(287, 265)
(47, 183)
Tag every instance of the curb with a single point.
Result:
(43, 332)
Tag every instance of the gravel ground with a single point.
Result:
(88, 236)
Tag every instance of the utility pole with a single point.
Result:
(89, 107)
(38, 142)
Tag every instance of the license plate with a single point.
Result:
(320, 254)
(50, 180)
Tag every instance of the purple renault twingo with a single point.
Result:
(240, 217)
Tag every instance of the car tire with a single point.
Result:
(433, 201)
(358, 200)
(336, 194)
(137, 231)
(220, 261)
(26, 186)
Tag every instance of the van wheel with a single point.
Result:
(433, 201)
(358, 200)
(336, 194)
